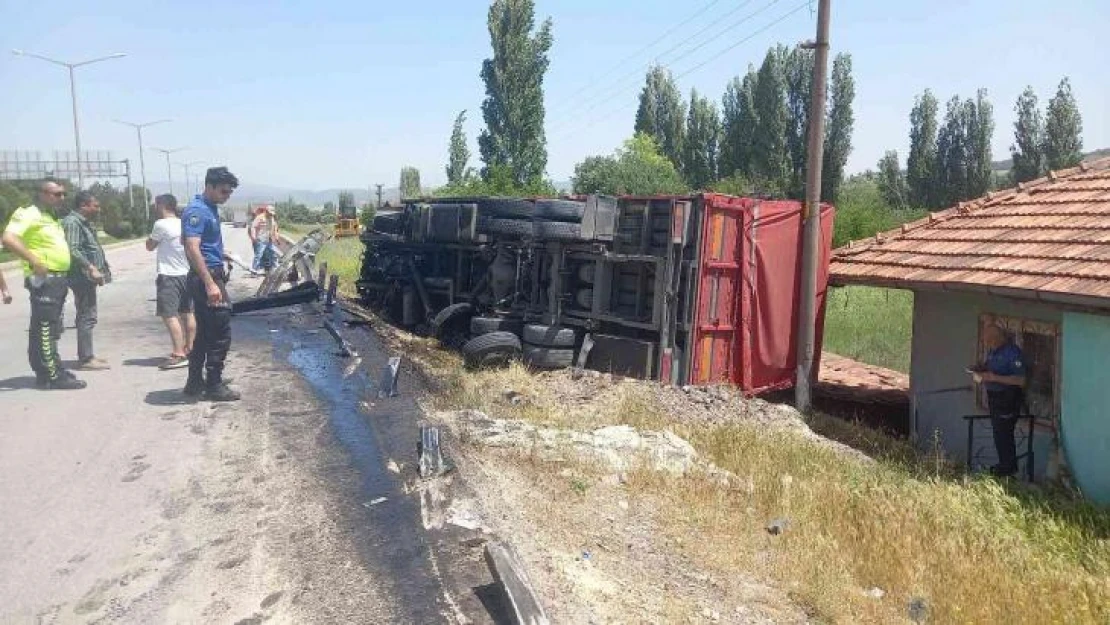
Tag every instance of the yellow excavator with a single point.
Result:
(346, 216)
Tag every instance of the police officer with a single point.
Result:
(204, 247)
(1003, 372)
(35, 235)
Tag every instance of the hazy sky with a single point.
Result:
(334, 94)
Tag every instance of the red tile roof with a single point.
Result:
(847, 379)
(1045, 239)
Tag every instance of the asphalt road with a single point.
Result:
(123, 503)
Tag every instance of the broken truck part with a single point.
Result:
(297, 264)
(697, 289)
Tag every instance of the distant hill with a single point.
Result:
(1006, 165)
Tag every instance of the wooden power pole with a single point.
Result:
(379, 194)
(811, 230)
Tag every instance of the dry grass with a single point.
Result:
(973, 550)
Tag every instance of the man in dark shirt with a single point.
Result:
(1003, 372)
(88, 270)
(204, 247)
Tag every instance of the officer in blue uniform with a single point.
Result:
(206, 283)
(1003, 372)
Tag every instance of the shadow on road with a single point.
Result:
(168, 397)
(144, 362)
(18, 383)
(493, 600)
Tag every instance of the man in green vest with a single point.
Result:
(35, 235)
(88, 271)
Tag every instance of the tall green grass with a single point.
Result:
(870, 325)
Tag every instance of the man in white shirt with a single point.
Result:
(175, 307)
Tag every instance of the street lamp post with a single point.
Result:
(169, 171)
(188, 180)
(142, 160)
(73, 97)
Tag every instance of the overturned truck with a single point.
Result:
(694, 289)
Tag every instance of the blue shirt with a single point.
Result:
(1006, 360)
(201, 220)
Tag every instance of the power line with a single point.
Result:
(602, 95)
(784, 17)
(637, 53)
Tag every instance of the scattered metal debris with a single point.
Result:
(345, 348)
(506, 567)
(388, 387)
(375, 501)
(430, 453)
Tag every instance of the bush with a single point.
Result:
(861, 212)
(636, 169)
(119, 230)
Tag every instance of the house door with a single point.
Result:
(1085, 405)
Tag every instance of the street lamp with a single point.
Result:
(73, 97)
(169, 172)
(186, 166)
(142, 160)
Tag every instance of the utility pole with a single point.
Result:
(142, 159)
(169, 170)
(811, 230)
(379, 195)
(188, 180)
(73, 98)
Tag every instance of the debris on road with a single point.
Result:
(388, 386)
(376, 501)
(509, 572)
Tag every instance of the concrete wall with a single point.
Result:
(945, 340)
(1085, 424)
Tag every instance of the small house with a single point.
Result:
(1036, 259)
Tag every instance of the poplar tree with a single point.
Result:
(458, 153)
(662, 114)
(1029, 138)
(838, 130)
(922, 160)
(703, 130)
(769, 155)
(1063, 146)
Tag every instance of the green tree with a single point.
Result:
(662, 114)
(738, 125)
(410, 183)
(639, 168)
(922, 161)
(703, 131)
(799, 85)
(1063, 145)
(366, 215)
(979, 117)
(458, 153)
(769, 157)
(513, 109)
(838, 131)
(892, 183)
(950, 181)
(1029, 139)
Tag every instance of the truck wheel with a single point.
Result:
(486, 325)
(508, 227)
(585, 298)
(547, 357)
(560, 210)
(506, 207)
(558, 231)
(496, 349)
(549, 336)
(450, 324)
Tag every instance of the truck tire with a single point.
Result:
(585, 298)
(506, 207)
(496, 349)
(560, 210)
(586, 273)
(509, 227)
(450, 324)
(486, 325)
(547, 357)
(558, 231)
(549, 336)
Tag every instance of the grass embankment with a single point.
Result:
(973, 550)
(871, 325)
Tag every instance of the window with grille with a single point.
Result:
(1040, 346)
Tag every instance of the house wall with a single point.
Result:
(945, 339)
(1085, 424)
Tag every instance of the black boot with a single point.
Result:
(221, 392)
(194, 387)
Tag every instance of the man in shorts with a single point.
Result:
(175, 306)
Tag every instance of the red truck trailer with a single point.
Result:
(699, 289)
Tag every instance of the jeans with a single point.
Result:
(263, 255)
(47, 301)
(84, 296)
(213, 337)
